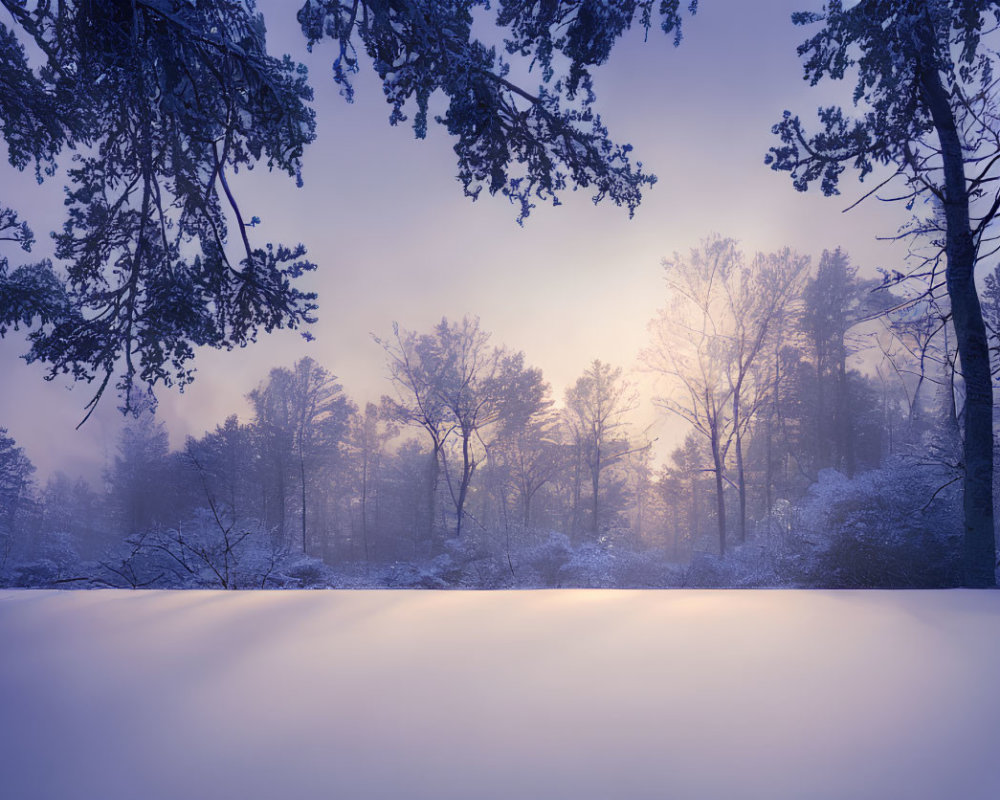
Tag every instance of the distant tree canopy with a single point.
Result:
(161, 100)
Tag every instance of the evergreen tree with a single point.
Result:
(161, 101)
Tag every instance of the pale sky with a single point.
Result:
(385, 219)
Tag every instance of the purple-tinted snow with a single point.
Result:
(514, 695)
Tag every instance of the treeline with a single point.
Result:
(824, 414)
(468, 456)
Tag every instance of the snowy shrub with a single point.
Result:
(642, 569)
(299, 571)
(205, 553)
(540, 558)
(474, 562)
(41, 573)
(589, 567)
(48, 560)
(893, 527)
(409, 575)
(753, 565)
(707, 571)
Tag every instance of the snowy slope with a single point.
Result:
(455, 695)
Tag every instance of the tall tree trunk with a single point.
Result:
(575, 497)
(526, 508)
(595, 485)
(822, 443)
(302, 481)
(364, 502)
(433, 472)
(770, 432)
(741, 484)
(845, 430)
(281, 509)
(979, 551)
(769, 463)
(720, 498)
(463, 489)
(694, 522)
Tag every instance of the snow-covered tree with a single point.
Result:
(302, 416)
(457, 387)
(161, 101)
(710, 342)
(925, 87)
(16, 471)
(139, 476)
(597, 406)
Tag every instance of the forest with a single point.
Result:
(840, 426)
(823, 451)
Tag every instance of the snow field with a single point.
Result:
(573, 694)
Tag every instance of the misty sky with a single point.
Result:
(384, 217)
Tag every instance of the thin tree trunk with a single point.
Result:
(595, 481)
(433, 472)
(281, 509)
(302, 480)
(364, 503)
(740, 475)
(720, 498)
(577, 491)
(769, 468)
(822, 448)
(527, 498)
(845, 430)
(770, 430)
(463, 489)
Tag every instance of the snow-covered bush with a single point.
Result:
(299, 571)
(49, 560)
(747, 566)
(897, 526)
(203, 553)
(609, 564)
(541, 558)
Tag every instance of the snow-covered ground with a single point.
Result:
(515, 695)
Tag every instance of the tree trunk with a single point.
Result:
(720, 498)
(979, 551)
(770, 432)
(433, 472)
(463, 489)
(694, 522)
(740, 475)
(527, 497)
(302, 480)
(595, 484)
(822, 444)
(281, 509)
(845, 430)
(577, 491)
(364, 502)
(769, 468)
